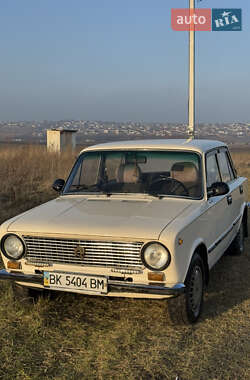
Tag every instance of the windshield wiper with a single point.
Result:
(92, 188)
(85, 187)
(154, 194)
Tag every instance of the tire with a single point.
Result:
(237, 246)
(187, 308)
(25, 294)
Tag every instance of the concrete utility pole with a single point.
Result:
(191, 98)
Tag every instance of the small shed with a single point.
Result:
(61, 139)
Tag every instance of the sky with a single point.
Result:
(118, 60)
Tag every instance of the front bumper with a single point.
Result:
(113, 286)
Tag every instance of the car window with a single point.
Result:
(226, 174)
(170, 173)
(213, 174)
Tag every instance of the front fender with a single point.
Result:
(182, 246)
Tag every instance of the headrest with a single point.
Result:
(128, 173)
(184, 172)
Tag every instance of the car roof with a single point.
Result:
(200, 146)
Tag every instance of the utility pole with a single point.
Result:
(191, 97)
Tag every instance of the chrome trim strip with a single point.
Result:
(224, 235)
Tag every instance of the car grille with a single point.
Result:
(96, 253)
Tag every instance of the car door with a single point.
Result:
(219, 212)
(235, 198)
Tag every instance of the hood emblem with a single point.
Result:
(79, 251)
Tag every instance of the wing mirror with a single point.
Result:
(217, 188)
(58, 185)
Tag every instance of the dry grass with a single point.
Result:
(26, 175)
(80, 337)
(242, 163)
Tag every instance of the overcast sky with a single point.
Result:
(118, 60)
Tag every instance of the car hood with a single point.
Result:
(100, 216)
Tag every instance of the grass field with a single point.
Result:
(81, 337)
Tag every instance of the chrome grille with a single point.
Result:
(96, 253)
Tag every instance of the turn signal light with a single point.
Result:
(14, 265)
(156, 276)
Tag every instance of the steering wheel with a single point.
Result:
(169, 186)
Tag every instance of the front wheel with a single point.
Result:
(187, 308)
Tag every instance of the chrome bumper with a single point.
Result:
(113, 286)
(146, 289)
(30, 278)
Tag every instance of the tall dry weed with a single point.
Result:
(242, 163)
(26, 175)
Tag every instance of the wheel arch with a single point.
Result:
(201, 250)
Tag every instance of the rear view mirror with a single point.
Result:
(58, 184)
(218, 188)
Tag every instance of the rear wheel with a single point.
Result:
(187, 308)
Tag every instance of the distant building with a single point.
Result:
(61, 139)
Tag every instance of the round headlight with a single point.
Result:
(155, 256)
(12, 247)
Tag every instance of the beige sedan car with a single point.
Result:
(142, 219)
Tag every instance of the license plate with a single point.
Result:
(75, 281)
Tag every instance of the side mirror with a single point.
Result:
(217, 188)
(58, 185)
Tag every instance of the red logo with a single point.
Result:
(184, 19)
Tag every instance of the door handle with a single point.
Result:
(229, 199)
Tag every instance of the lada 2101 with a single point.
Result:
(145, 219)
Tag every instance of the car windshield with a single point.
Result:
(159, 173)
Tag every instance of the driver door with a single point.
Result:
(218, 219)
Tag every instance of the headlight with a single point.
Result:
(155, 256)
(12, 247)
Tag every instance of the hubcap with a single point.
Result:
(196, 287)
